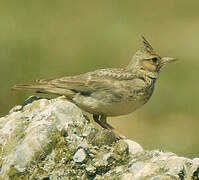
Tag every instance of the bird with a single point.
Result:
(111, 91)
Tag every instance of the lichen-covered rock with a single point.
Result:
(52, 139)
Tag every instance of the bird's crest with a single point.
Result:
(147, 46)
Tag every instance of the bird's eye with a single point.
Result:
(155, 60)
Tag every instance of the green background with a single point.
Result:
(45, 39)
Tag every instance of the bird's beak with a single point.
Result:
(166, 60)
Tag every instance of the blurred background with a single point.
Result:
(46, 39)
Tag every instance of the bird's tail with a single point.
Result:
(37, 88)
(44, 88)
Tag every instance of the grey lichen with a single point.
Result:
(52, 139)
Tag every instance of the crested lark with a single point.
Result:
(109, 92)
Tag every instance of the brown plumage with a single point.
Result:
(109, 92)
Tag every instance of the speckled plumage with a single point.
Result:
(109, 92)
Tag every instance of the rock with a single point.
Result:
(52, 139)
(133, 146)
(79, 156)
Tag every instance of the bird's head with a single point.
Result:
(148, 60)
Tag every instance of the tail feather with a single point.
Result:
(28, 87)
(45, 88)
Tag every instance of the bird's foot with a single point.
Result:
(102, 122)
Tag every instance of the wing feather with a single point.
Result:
(89, 82)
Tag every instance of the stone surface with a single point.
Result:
(79, 156)
(52, 139)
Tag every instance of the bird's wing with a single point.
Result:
(100, 79)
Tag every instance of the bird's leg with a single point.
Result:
(106, 125)
(102, 122)
(96, 119)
